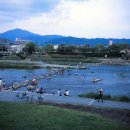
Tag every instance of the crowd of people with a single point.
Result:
(59, 93)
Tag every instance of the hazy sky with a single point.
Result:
(80, 18)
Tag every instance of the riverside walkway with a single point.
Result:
(7, 95)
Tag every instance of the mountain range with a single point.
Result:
(57, 39)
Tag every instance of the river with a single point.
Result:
(115, 79)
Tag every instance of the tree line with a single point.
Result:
(98, 50)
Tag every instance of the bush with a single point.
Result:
(122, 98)
(106, 97)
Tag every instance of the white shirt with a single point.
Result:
(34, 80)
(0, 82)
(67, 93)
(59, 92)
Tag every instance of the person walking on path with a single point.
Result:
(100, 95)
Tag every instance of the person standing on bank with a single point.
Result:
(100, 95)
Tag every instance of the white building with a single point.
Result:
(56, 47)
(18, 45)
(110, 43)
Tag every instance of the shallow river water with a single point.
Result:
(115, 79)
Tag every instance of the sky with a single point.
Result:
(78, 18)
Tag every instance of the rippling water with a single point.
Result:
(115, 79)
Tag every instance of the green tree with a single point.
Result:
(123, 46)
(114, 48)
(3, 48)
(30, 48)
(49, 48)
(61, 49)
(113, 51)
(69, 49)
(99, 48)
(83, 48)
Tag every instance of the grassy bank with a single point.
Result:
(17, 65)
(39, 117)
(57, 58)
(51, 59)
(107, 97)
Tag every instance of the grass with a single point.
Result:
(51, 59)
(43, 117)
(66, 59)
(107, 97)
(56, 58)
(18, 65)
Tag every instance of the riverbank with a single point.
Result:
(18, 65)
(30, 64)
(55, 58)
(114, 61)
(112, 111)
(8, 96)
(33, 64)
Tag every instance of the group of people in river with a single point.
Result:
(51, 72)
